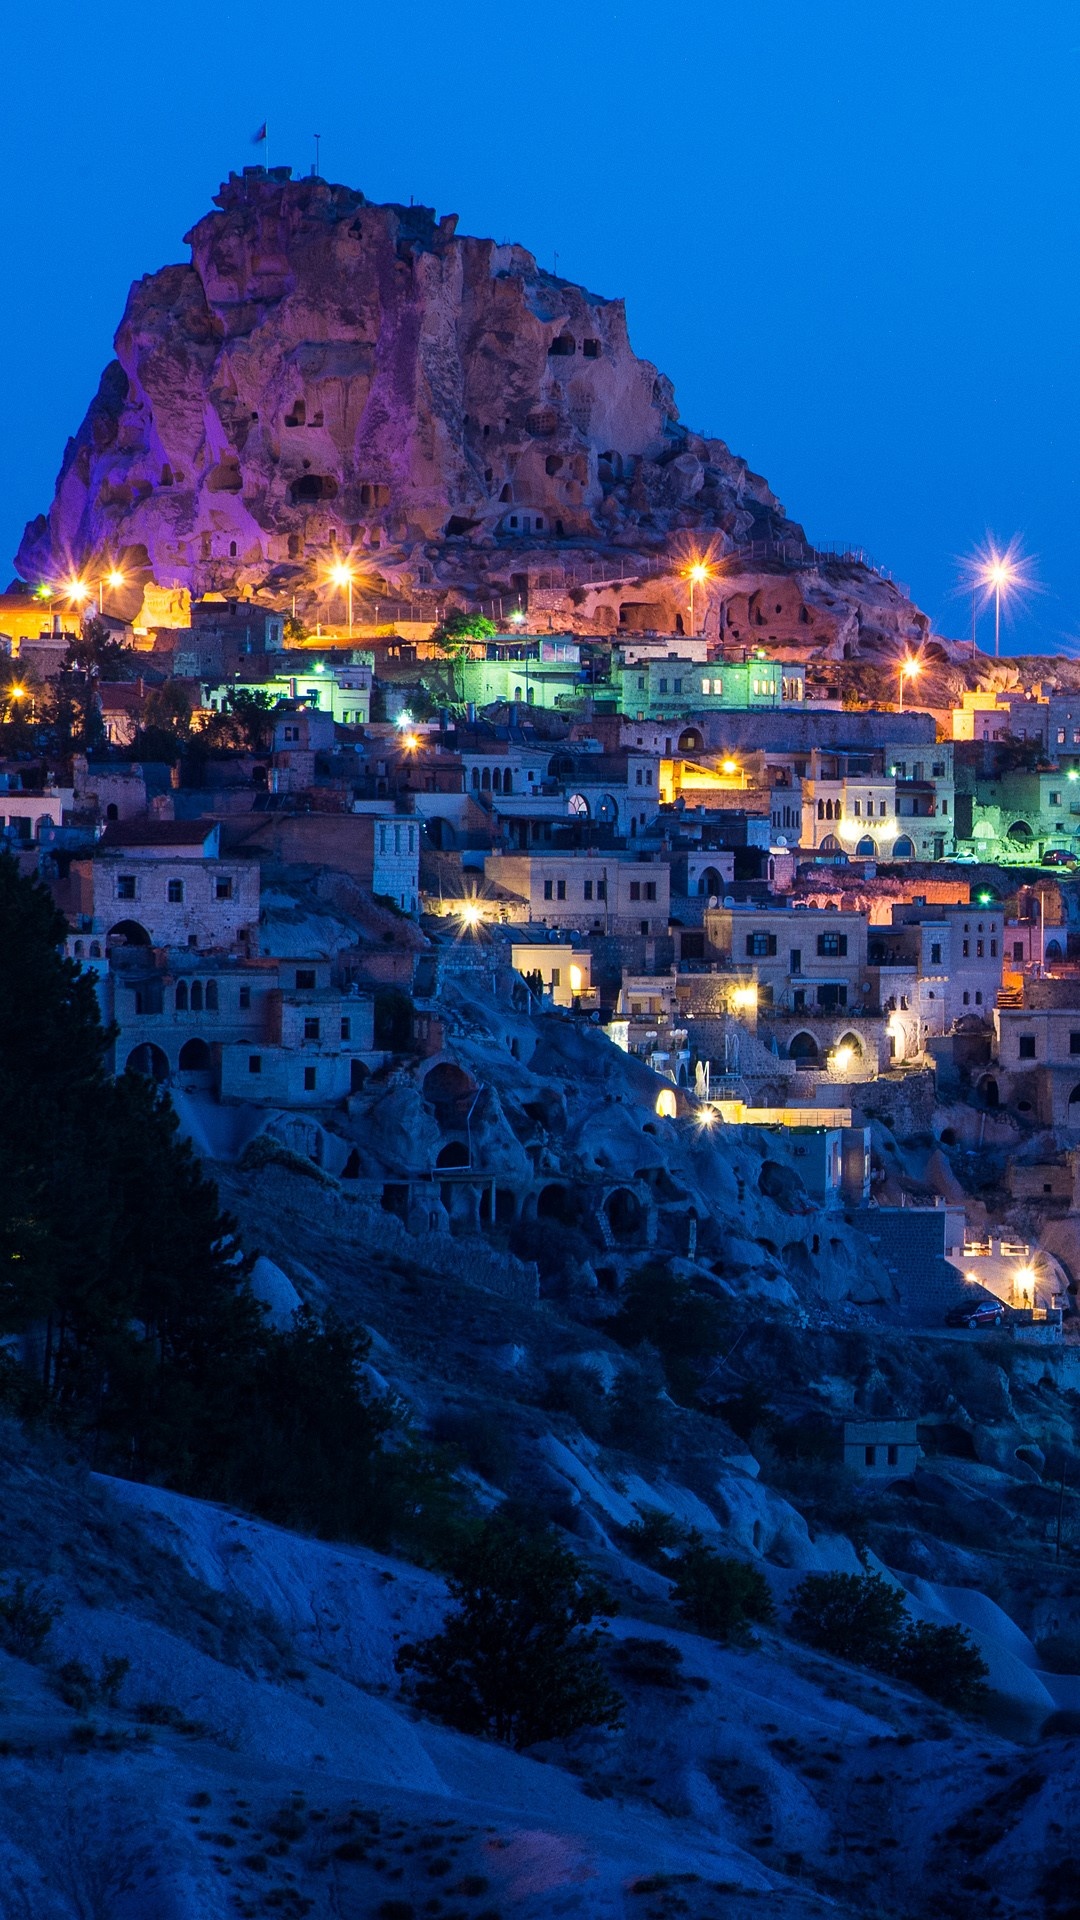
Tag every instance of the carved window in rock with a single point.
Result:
(298, 416)
(542, 421)
(591, 349)
(563, 345)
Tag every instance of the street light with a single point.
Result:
(114, 579)
(909, 670)
(343, 576)
(697, 574)
(1000, 575)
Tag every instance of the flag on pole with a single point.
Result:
(259, 135)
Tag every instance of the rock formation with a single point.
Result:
(328, 372)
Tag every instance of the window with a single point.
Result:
(760, 945)
(650, 889)
(549, 890)
(893, 1454)
(560, 889)
(588, 889)
(832, 945)
(601, 889)
(125, 886)
(305, 979)
(1074, 1043)
(858, 808)
(254, 1062)
(644, 926)
(993, 949)
(556, 976)
(1025, 1046)
(1055, 799)
(967, 999)
(245, 999)
(309, 1079)
(635, 889)
(881, 808)
(796, 959)
(663, 683)
(966, 949)
(211, 996)
(978, 949)
(311, 1029)
(676, 686)
(223, 890)
(978, 999)
(176, 893)
(935, 953)
(870, 1455)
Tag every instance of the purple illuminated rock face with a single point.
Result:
(331, 373)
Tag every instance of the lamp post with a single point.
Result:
(909, 670)
(342, 576)
(114, 580)
(1001, 578)
(697, 576)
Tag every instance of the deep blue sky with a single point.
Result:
(847, 229)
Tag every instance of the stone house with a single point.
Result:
(607, 892)
(881, 1449)
(164, 883)
(267, 1032)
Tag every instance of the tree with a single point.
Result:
(686, 1328)
(855, 1616)
(245, 724)
(944, 1663)
(168, 708)
(456, 634)
(96, 652)
(719, 1595)
(517, 1660)
(860, 1617)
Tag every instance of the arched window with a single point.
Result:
(508, 780)
(903, 849)
(485, 782)
(211, 996)
(866, 848)
(496, 780)
(803, 1047)
(821, 809)
(181, 996)
(476, 776)
(196, 996)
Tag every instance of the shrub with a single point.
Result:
(648, 1663)
(855, 1616)
(26, 1619)
(655, 1537)
(686, 1328)
(944, 1663)
(1059, 1652)
(517, 1659)
(859, 1617)
(578, 1392)
(720, 1596)
(640, 1414)
(483, 1440)
(78, 1688)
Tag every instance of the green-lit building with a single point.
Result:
(664, 688)
(535, 672)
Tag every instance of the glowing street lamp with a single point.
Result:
(114, 579)
(1000, 575)
(470, 914)
(78, 591)
(697, 574)
(343, 576)
(909, 670)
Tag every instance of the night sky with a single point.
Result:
(847, 231)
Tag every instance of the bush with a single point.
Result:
(26, 1619)
(648, 1663)
(517, 1659)
(854, 1616)
(720, 1596)
(655, 1537)
(578, 1392)
(640, 1413)
(859, 1617)
(1059, 1652)
(944, 1663)
(78, 1688)
(686, 1328)
(482, 1439)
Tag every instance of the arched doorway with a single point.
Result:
(903, 848)
(454, 1154)
(195, 1057)
(866, 849)
(989, 1094)
(1053, 950)
(149, 1061)
(608, 811)
(558, 1203)
(625, 1215)
(130, 933)
(1019, 831)
(804, 1047)
(690, 740)
(711, 885)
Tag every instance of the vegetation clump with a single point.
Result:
(720, 1595)
(517, 1657)
(861, 1618)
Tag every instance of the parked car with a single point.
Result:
(990, 1313)
(1058, 857)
